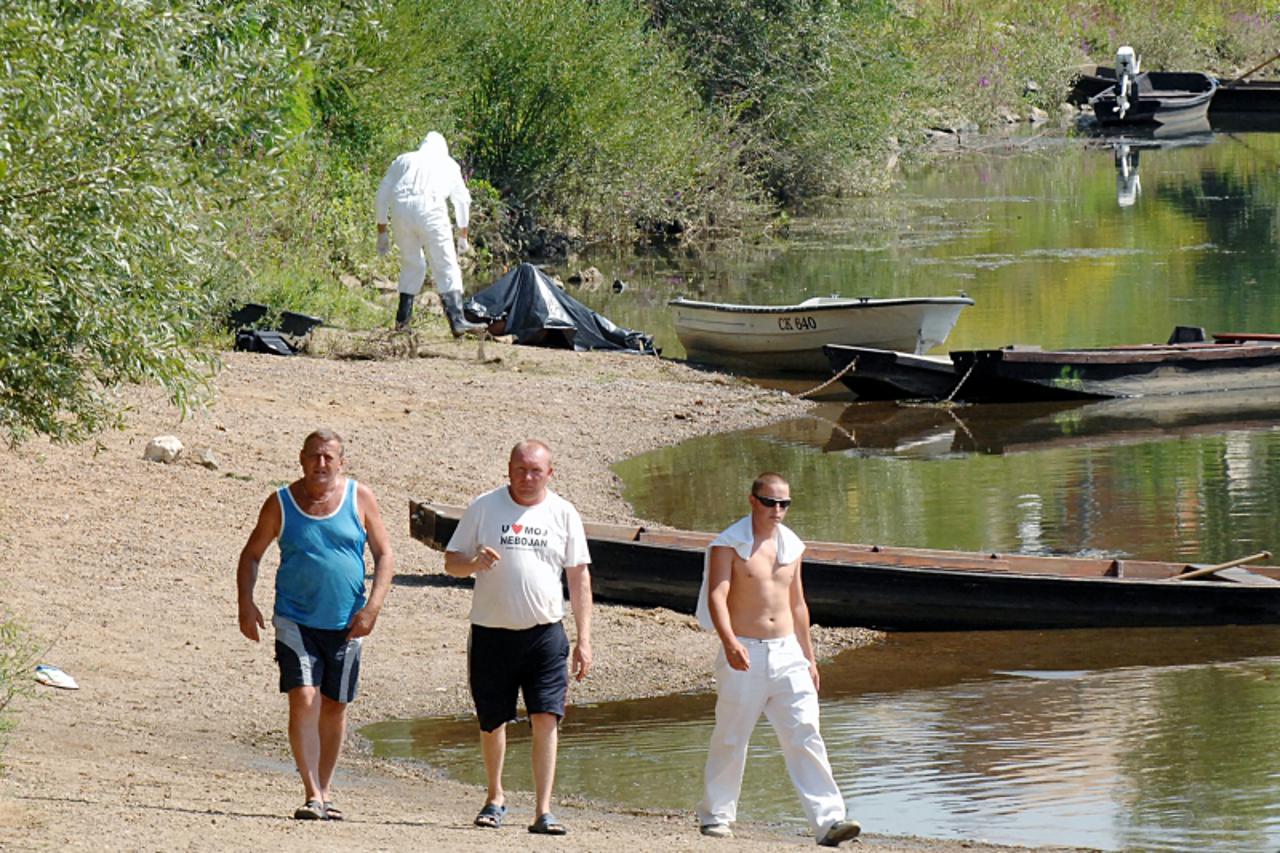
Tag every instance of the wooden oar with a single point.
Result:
(1208, 570)
(1257, 67)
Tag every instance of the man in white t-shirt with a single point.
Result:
(517, 540)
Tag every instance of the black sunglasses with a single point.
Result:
(770, 503)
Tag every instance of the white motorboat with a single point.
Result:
(790, 338)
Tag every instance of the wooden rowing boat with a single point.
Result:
(790, 338)
(1231, 362)
(1023, 374)
(877, 374)
(923, 589)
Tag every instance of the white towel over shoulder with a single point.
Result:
(739, 537)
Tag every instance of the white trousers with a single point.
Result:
(777, 683)
(420, 226)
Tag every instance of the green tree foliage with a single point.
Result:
(127, 130)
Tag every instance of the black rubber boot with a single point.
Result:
(458, 322)
(405, 312)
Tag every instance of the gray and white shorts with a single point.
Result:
(314, 657)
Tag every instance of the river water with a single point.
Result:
(1113, 739)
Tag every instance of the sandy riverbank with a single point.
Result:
(125, 570)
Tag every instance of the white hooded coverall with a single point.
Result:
(412, 194)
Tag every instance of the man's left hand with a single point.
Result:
(581, 660)
(813, 673)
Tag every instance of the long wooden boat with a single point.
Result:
(1164, 98)
(926, 590)
(1231, 362)
(790, 338)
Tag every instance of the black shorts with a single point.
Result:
(313, 657)
(501, 662)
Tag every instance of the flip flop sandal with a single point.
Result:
(332, 812)
(491, 816)
(310, 810)
(547, 824)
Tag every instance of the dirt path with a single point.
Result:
(125, 570)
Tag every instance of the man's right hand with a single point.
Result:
(736, 654)
(384, 244)
(251, 621)
(486, 558)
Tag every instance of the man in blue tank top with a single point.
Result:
(323, 522)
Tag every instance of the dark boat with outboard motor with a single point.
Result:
(1167, 99)
(1236, 102)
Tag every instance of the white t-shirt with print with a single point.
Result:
(535, 543)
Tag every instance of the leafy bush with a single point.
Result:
(17, 657)
(813, 88)
(571, 109)
(128, 131)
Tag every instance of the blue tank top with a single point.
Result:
(320, 583)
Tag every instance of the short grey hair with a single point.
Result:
(324, 436)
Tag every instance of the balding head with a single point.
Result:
(529, 469)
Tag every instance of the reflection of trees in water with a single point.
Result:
(1234, 196)
(1205, 752)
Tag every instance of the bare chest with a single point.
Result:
(762, 566)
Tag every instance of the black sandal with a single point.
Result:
(547, 824)
(491, 816)
(310, 810)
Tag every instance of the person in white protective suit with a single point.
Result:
(412, 195)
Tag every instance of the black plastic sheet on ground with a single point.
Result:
(527, 304)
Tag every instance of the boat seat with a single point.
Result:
(629, 532)
(673, 538)
(1187, 335)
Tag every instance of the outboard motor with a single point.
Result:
(1126, 79)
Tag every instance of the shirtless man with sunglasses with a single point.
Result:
(754, 600)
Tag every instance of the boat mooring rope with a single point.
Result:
(835, 378)
(960, 384)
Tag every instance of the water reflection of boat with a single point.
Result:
(1126, 150)
(924, 589)
(780, 338)
(928, 431)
